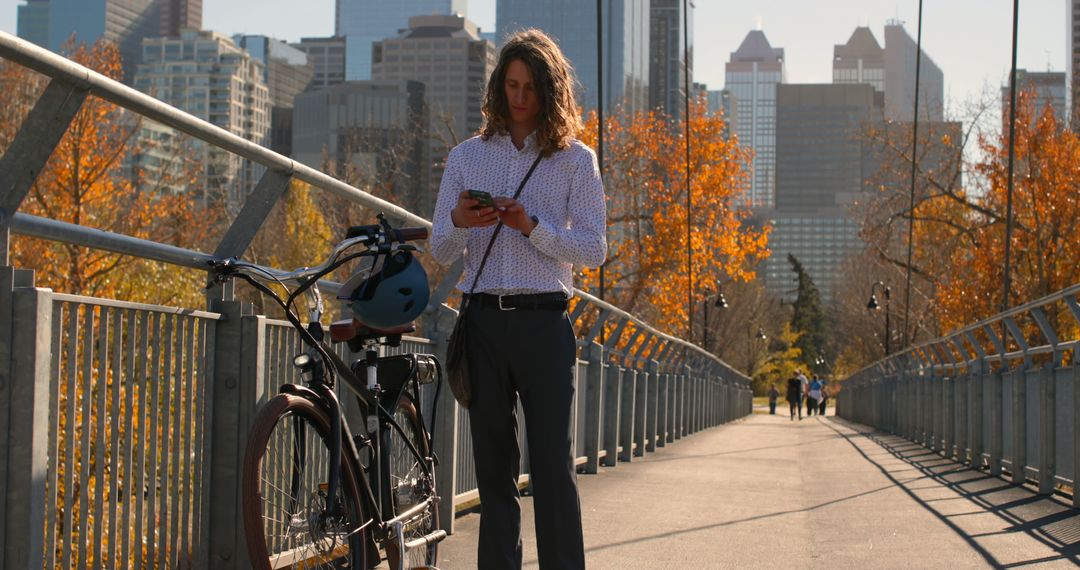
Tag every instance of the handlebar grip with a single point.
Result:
(410, 234)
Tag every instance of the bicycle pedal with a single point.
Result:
(431, 538)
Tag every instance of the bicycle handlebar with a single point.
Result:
(370, 236)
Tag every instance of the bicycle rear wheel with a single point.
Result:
(411, 483)
(284, 492)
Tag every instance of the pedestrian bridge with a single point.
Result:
(823, 492)
(124, 423)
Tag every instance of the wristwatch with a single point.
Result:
(535, 221)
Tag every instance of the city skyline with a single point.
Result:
(975, 64)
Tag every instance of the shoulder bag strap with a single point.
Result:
(498, 228)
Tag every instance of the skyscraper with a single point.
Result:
(900, 60)
(1072, 65)
(33, 22)
(752, 74)
(1047, 87)
(50, 23)
(327, 55)
(209, 76)
(667, 78)
(287, 73)
(821, 163)
(179, 14)
(448, 55)
(374, 132)
(364, 22)
(626, 29)
(860, 60)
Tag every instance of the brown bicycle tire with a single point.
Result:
(278, 408)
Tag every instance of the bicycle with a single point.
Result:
(307, 492)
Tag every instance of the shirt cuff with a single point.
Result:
(542, 236)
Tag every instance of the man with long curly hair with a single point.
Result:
(520, 341)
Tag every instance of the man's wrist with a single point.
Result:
(533, 222)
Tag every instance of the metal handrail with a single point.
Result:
(58, 67)
(990, 356)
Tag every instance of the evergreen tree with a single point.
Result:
(808, 318)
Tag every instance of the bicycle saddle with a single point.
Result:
(353, 329)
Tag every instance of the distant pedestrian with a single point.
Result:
(774, 394)
(824, 396)
(794, 396)
(813, 397)
(804, 388)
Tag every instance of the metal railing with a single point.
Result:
(127, 422)
(1001, 394)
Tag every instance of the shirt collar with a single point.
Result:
(530, 142)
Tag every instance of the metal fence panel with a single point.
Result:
(125, 418)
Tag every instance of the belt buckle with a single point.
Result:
(502, 308)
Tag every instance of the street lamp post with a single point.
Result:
(720, 303)
(750, 348)
(873, 306)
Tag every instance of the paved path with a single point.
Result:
(768, 492)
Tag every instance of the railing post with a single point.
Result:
(1047, 435)
(1019, 421)
(612, 402)
(230, 417)
(976, 390)
(663, 422)
(445, 444)
(654, 407)
(641, 401)
(594, 386)
(1076, 430)
(628, 413)
(995, 411)
(24, 404)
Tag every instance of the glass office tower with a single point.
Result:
(364, 22)
(751, 75)
(572, 23)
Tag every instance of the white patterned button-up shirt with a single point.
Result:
(565, 194)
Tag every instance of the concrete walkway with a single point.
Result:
(768, 492)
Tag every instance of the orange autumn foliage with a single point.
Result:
(1046, 222)
(87, 182)
(644, 176)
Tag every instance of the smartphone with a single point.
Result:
(484, 198)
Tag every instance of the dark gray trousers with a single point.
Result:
(529, 354)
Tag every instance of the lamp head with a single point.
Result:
(873, 304)
(721, 302)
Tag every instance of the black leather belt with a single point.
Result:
(540, 301)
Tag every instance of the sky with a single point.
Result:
(970, 40)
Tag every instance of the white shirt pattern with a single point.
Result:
(566, 195)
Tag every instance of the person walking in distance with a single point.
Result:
(813, 397)
(804, 389)
(774, 394)
(794, 396)
(520, 342)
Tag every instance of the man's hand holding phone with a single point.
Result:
(475, 209)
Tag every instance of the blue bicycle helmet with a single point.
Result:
(393, 296)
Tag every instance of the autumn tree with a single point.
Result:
(87, 182)
(644, 177)
(959, 222)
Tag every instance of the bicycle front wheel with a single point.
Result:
(411, 483)
(284, 489)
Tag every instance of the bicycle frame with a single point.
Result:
(323, 394)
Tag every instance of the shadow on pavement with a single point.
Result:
(1044, 518)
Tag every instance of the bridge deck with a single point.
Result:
(816, 493)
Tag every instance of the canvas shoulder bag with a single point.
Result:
(457, 360)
